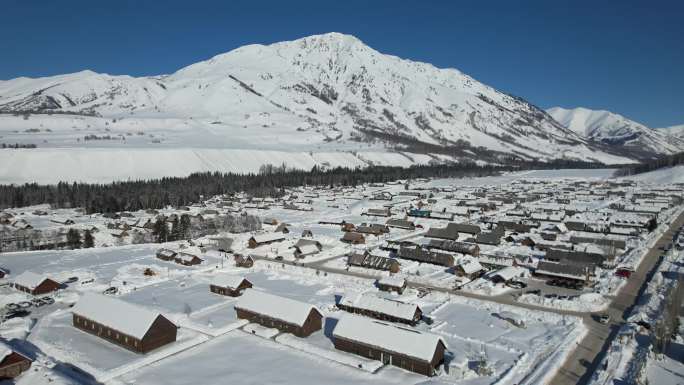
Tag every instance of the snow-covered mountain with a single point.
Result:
(615, 130)
(676, 131)
(331, 87)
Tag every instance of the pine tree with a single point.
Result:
(74, 239)
(88, 240)
(160, 230)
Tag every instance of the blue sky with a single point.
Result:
(623, 56)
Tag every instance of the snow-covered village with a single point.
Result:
(492, 280)
(332, 193)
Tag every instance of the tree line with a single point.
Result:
(661, 162)
(270, 181)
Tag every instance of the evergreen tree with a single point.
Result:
(74, 239)
(160, 230)
(88, 240)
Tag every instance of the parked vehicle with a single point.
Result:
(516, 284)
(604, 318)
(111, 290)
(71, 280)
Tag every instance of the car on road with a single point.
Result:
(603, 318)
(16, 314)
(279, 258)
(12, 306)
(111, 290)
(25, 304)
(71, 280)
(535, 291)
(516, 284)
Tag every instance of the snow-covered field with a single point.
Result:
(214, 346)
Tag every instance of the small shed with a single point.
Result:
(353, 238)
(34, 284)
(12, 364)
(391, 283)
(166, 254)
(264, 239)
(187, 259)
(229, 285)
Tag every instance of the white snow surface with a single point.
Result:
(117, 314)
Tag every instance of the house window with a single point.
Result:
(126, 339)
(117, 336)
(109, 333)
(135, 343)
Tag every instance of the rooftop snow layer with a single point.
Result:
(398, 339)
(117, 314)
(284, 309)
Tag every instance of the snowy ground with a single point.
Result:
(219, 348)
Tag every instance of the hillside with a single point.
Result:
(617, 131)
(319, 94)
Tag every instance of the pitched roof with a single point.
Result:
(398, 339)
(117, 314)
(284, 309)
(29, 279)
(229, 281)
(369, 301)
(270, 237)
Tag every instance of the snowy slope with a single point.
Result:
(676, 131)
(328, 90)
(616, 130)
(661, 176)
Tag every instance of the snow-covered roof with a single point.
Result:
(186, 257)
(4, 352)
(398, 339)
(263, 238)
(29, 279)
(284, 309)
(229, 281)
(392, 281)
(369, 301)
(470, 265)
(117, 314)
(510, 272)
(308, 249)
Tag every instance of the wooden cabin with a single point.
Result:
(12, 364)
(229, 285)
(400, 346)
(353, 238)
(391, 283)
(124, 324)
(34, 284)
(242, 261)
(187, 259)
(166, 254)
(370, 305)
(264, 239)
(284, 314)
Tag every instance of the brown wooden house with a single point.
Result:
(284, 314)
(391, 284)
(353, 238)
(187, 259)
(370, 305)
(400, 346)
(242, 261)
(127, 325)
(264, 239)
(34, 284)
(12, 364)
(229, 285)
(166, 254)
